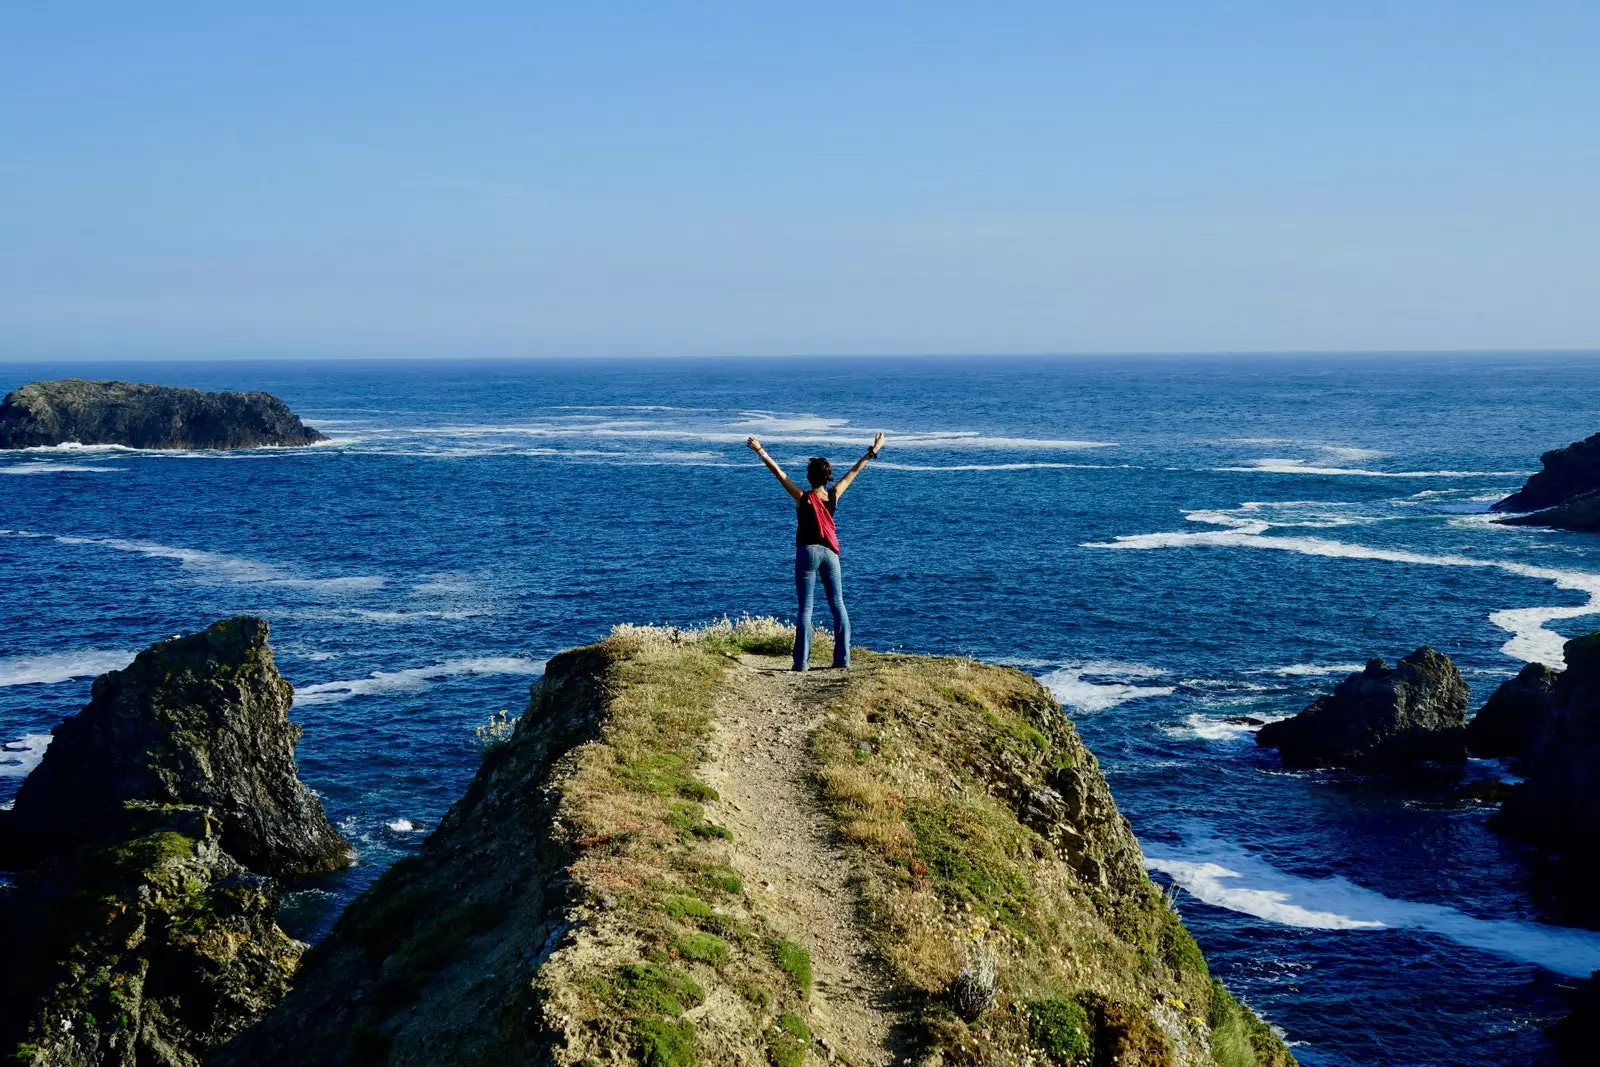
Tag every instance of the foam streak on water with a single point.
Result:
(1530, 640)
(1228, 877)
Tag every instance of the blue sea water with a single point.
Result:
(1166, 542)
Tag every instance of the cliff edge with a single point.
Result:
(686, 854)
(74, 410)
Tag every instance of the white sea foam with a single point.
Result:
(62, 666)
(1273, 465)
(1111, 685)
(415, 679)
(996, 466)
(19, 757)
(1206, 728)
(1225, 876)
(57, 468)
(1301, 670)
(1346, 454)
(1530, 641)
(214, 565)
(401, 826)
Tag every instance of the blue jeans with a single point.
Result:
(810, 561)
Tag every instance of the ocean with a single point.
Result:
(1165, 542)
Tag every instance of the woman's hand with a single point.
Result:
(877, 445)
(755, 446)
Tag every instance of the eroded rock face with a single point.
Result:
(1567, 473)
(1383, 717)
(1557, 807)
(1515, 715)
(140, 928)
(146, 416)
(200, 720)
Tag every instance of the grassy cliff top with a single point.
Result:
(685, 854)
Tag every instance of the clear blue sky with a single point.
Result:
(487, 179)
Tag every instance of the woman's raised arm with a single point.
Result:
(850, 475)
(772, 465)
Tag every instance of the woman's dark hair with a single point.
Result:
(819, 472)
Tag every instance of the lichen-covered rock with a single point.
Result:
(74, 410)
(151, 948)
(1515, 715)
(202, 720)
(1382, 717)
(1566, 473)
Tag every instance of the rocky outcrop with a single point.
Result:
(1580, 513)
(622, 883)
(1569, 484)
(1382, 718)
(1515, 715)
(139, 926)
(1557, 806)
(198, 720)
(75, 410)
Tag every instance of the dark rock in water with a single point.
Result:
(1383, 717)
(146, 416)
(1568, 472)
(1557, 807)
(199, 720)
(1243, 720)
(1581, 514)
(154, 947)
(1515, 715)
(139, 929)
(1577, 1037)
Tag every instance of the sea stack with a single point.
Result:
(139, 924)
(199, 720)
(77, 411)
(1565, 494)
(1380, 718)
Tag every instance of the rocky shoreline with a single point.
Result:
(133, 415)
(1565, 494)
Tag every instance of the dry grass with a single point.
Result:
(925, 764)
(649, 852)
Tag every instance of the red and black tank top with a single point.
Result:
(814, 512)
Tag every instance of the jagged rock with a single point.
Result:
(1578, 1035)
(1515, 715)
(1580, 513)
(152, 948)
(146, 416)
(1567, 473)
(201, 720)
(1380, 718)
(1557, 807)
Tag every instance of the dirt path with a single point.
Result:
(784, 848)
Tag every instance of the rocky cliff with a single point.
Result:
(146, 416)
(1557, 807)
(686, 854)
(1382, 717)
(139, 927)
(1565, 493)
(1516, 714)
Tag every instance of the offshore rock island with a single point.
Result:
(78, 411)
